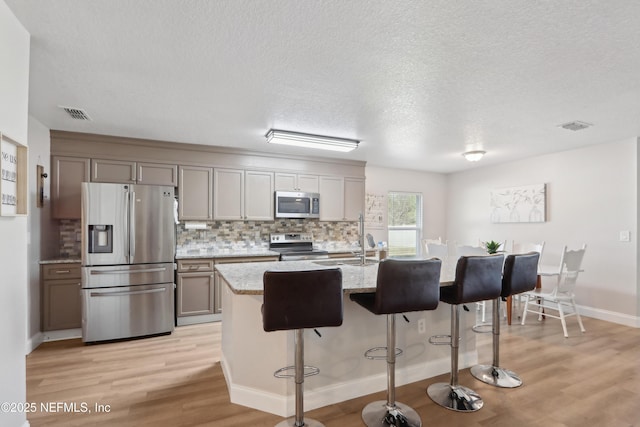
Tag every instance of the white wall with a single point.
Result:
(432, 186)
(14, 93)
(592, 195)
(43, 240)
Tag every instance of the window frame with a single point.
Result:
(419, 222)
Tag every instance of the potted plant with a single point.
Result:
(492, 247)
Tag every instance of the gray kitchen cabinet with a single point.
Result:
(243, 195)
(228, 194)
(67, 173)
(353, 198)
(61, 303)
(195, 291)
(331, 198)
(118, 171)
(297, 182)
(157, 174)
(195, 193)
(230, 260)
(258, 196)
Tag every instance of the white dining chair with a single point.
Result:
(518, 248)
(562, 296)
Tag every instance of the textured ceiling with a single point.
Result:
(419, 82)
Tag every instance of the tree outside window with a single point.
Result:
(405, 224)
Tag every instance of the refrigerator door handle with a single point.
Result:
(132, 226)
(125, 293)
(144, 270)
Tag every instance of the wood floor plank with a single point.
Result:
(590, 379)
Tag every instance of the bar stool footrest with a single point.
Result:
(308, 371)
(369, 353)
(482, 328)
(496, 376)
(441, 339)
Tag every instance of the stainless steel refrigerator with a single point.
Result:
(128, 249)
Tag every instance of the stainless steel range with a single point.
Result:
(295, 246)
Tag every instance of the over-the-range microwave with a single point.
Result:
(295, 204)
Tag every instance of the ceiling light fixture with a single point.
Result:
(474, 156)
(306, 140)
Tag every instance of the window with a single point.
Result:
(405, 224)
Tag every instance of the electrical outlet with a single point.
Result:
(625, 236)
(422, 326)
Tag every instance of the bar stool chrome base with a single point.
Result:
(291, 422)
(379, 414)
(457, 398)
(496, 376)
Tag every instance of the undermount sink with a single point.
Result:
(346, 261)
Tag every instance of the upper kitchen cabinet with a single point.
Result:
(67, 175)
(157, 174)
(331, 198)
(243, 195)
(297, 182)
(228, 194)
(353, 198)
(130, 172)
(258, 196)
(118, 171)
(341, 199)
(195, 193)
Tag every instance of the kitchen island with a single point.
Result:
(250, 355)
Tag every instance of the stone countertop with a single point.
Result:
(246, 278)
(61, 261)
(225, 253)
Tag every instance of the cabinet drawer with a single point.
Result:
(61, 271)
(193, 265)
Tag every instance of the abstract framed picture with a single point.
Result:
(519, 204)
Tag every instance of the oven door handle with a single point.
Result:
(127, 293)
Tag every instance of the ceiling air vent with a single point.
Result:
(76, 113)
(575, 125)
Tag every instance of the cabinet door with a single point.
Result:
(331, 198)
(157, 174)
(308, 183)
(353, 198)
(258, 196)
(285, 181)
(123, 172)
(61, 304)
(228, 194)
(195, 294)
(67, 175)
(195, 190)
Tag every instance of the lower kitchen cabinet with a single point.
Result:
(199, 288)
(195, 293)
(61, 303)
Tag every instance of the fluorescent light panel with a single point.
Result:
(306, 140)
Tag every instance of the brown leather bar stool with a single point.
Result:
(402, 286)
(298, 300)
(478, 278)
(520, 275)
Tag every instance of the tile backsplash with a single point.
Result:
(234, 234)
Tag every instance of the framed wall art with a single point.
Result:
(519, 204)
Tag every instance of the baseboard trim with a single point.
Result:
(63, 334)
(34, 342)
(284, 406)
(610, 316)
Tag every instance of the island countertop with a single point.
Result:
(246, 279)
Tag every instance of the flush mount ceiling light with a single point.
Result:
(306, 140)
(474, 156)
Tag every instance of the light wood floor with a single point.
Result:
(585, 380)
